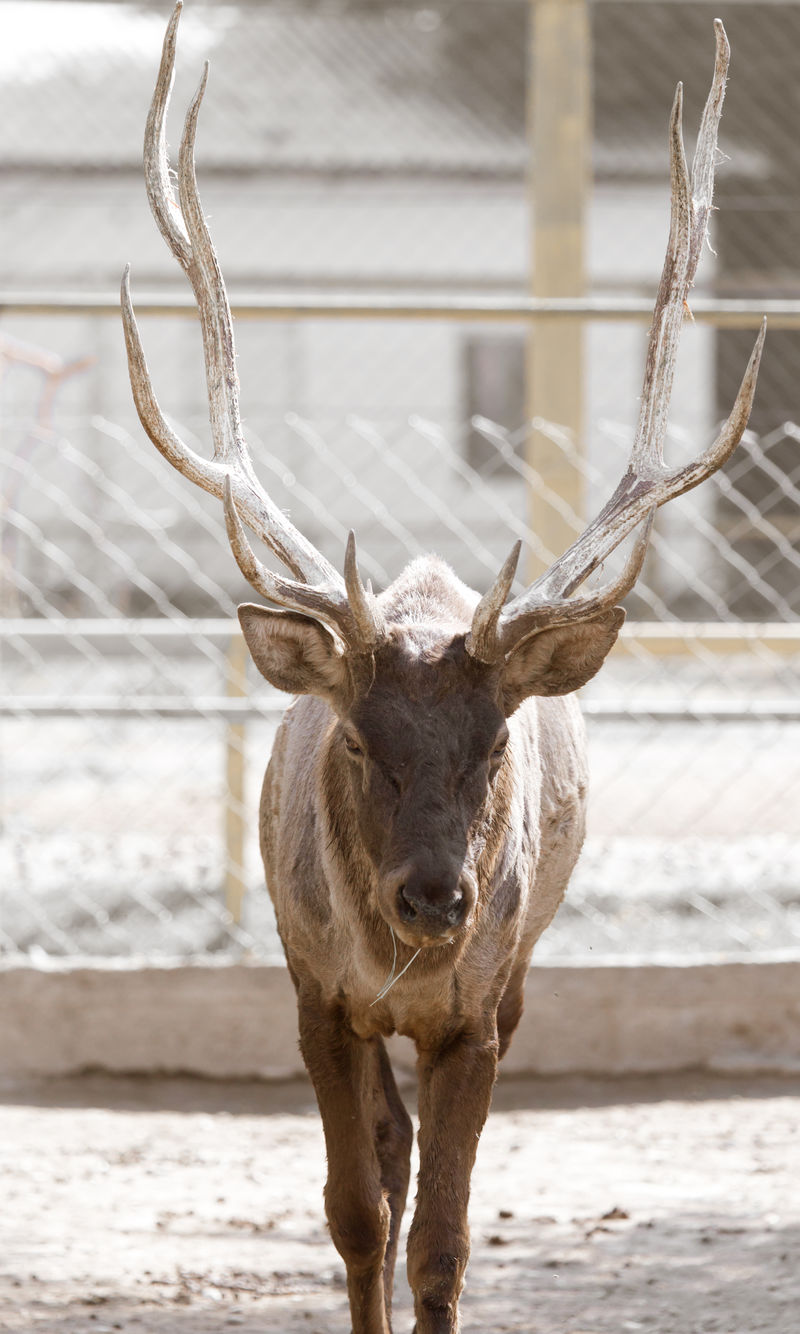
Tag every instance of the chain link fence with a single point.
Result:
(382, 146)
(135, 748)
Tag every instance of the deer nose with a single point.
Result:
(426, 908)
(433, 904)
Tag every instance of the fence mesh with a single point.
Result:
(366, 145)
(115, 827)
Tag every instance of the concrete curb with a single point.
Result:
(238, 1020)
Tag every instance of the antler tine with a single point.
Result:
(210, 476)
(158, 184)
(704, 162)
(683, 479)
(212, 303)
(636, 496)
(691, 204)
(363, 606)
(186, 233)
(570, 610)
(482, 638)
(647, 483)
(357, 622)
(286, 592)
(668, 313)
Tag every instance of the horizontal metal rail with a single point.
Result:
(235, 710)
(726, 313)
(227, 708)
(693, 710)
(123, 635)
(676, 637)
(105, 632)
(658, 637)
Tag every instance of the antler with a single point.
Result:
(317, 589)
(647, 482)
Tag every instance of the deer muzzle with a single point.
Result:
(428, 903)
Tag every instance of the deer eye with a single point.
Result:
(351, 745)
(499, 749)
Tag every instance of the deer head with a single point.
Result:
(421, 700)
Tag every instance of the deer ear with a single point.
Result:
(556, 662)
(293, 652)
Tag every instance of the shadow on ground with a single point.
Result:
(188, 1093)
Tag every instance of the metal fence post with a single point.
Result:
(559, 135)
(235, 687)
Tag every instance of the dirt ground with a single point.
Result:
(168, 1206)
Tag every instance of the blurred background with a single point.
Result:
(388, 184)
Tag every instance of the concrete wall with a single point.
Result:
(238, 1021)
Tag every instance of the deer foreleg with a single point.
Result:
(367, 1141)
(454, 1096)
(393, 1144)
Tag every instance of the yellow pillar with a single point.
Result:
(559, 130)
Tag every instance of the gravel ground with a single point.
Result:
(183, 1207)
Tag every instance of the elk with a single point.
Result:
(423, 807)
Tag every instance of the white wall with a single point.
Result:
(311, 233)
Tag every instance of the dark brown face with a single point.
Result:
(423, 746)
(421, 733)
